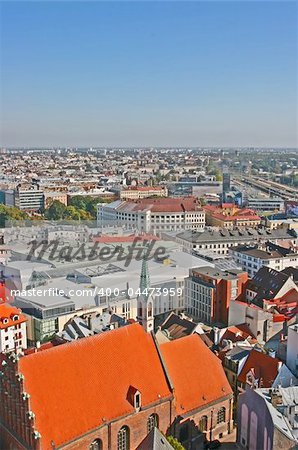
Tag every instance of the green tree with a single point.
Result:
(56, 211)
(72, 213)
(11, 213)
(175, 443)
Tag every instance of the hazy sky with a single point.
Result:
(149, 73)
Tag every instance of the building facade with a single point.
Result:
(154, 215)
(13, 335)
(208, 293)
(252, 258)
(138, 192)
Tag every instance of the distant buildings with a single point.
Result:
(267, 419)
(208, 293)
(154, 215)
(139, 192)
(124, 384)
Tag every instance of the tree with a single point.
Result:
(11, 213)
(175, 443)
(56, 211)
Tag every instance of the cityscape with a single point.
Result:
(148, 226)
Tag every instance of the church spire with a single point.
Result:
(145, 298)
(144, 278)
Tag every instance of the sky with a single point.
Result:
(209, 73)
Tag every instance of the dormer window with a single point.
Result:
(5, 321)
(15, 318)
(137, 402)
(134, 397)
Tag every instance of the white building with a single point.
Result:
(53, 299)
(220, 241)
(154, 215)
(292, 349)
(29, 199)
(13, 335)
(252, 258)
(266, 204)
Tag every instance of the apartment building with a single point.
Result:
(12, 329)
(252, 258)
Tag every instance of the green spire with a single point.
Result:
(144, 279)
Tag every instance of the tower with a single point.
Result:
(145, 299)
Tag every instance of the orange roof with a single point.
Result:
(76, 387)
(196, 373)
(237, 333)
(168, 204)
(264, 367)
(8, 316)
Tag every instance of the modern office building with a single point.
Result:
(266, 204)
(29, 199)
(208, 293)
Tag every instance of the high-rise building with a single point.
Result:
(226, 184)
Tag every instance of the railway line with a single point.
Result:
(271, 187)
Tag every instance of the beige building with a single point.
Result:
(49, 197)
(137, 192)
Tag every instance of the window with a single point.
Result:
(203, 424)
(137, 400)
(123, 439)
(152, 422)
(221, 415)
(96, 445)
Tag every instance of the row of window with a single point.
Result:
(123, 436)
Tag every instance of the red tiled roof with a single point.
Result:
(196, 373)
(76, 387)
(167, 204)
(7, 314)
(237, 333)
(264, 366)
